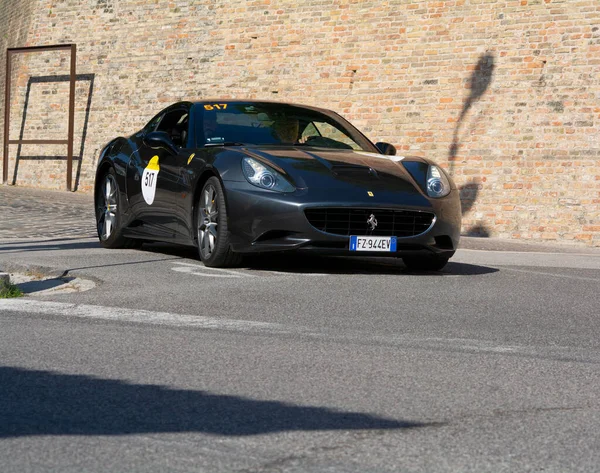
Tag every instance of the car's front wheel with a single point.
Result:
(425, 262)
(108, 214)
(211, 222)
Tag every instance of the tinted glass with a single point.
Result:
(151, 125)
(175, 123)
(275, 124)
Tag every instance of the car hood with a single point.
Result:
(338, 169)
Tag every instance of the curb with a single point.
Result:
(47, 272)
(41, 281)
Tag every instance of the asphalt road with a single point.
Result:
(300, 365)
(147, 361)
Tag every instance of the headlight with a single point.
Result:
(265, 177)
(437, 182)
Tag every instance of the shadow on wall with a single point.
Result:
(76, 158)
(47, 403)
(478, 84)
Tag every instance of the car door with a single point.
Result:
(158, 179)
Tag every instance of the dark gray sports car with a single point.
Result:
(234, 177)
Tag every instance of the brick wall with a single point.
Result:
(503, 93)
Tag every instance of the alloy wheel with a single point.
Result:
(208, 220)
(107, 210)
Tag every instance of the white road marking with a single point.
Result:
(197, 270)
(401, 341)
(543, 273)
(85, 311)
(288, 274)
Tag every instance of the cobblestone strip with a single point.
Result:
(33, 213)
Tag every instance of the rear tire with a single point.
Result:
(212, 233)
(425, 263)
(108, 214)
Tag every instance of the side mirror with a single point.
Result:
(160, 140)
(386, 148)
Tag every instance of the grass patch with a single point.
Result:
(9, 290)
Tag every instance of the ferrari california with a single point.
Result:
(233, 177)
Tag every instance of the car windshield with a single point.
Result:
(275, 124)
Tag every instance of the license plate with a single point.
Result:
(372, 243)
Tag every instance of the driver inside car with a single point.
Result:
(286, 129)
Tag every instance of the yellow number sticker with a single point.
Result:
(217, 106)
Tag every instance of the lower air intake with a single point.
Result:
(352, 221)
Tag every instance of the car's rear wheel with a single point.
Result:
(425, 262)
(212, 233)
(108, 214)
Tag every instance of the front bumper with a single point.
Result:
(263, 221)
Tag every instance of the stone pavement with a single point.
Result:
(43, 214)
(27, 213)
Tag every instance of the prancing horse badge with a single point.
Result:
(372, 221)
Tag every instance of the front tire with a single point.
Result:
(212, 233)
(425, 262)
(108, 214)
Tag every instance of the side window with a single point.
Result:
(176, 124)
(151, 125)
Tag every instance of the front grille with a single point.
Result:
(349, 221)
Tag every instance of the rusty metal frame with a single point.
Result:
(10, 52)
